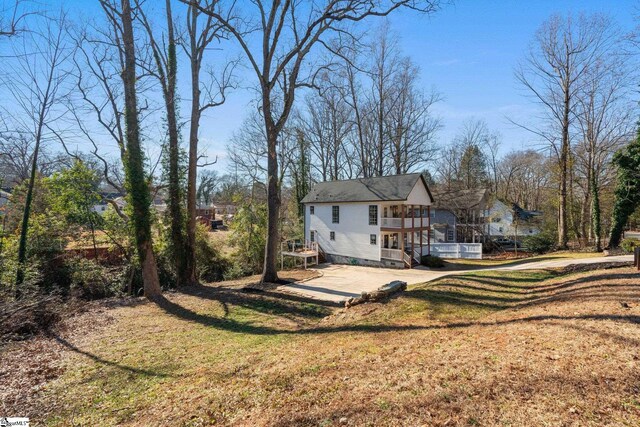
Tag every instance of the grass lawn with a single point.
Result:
(467, 263)
(510, 348)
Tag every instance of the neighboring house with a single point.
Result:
(103, 206)
(506, 219)
(381, 221)
(223, 209)
(459, 215)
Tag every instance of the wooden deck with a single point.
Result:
(297, 249)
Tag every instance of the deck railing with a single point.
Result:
(395, 254)
(296, 245)
(408, 222)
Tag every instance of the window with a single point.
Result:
(332, 235)
(433, 214)
(312, 236)
(312, 210)
(373, 239)
(500, 229)
(373, 214)
(450, 237)
(335, 214)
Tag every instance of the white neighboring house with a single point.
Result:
(381, 221)
(501, 223)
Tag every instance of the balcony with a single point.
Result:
(408, 222)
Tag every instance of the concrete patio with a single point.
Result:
(338, 283)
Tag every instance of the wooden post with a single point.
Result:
(636, 257)
(413, 230)
(421, 228)
(402, 227)
(429, 230)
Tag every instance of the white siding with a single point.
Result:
(501, 223)
(418, 195)
(352, 233)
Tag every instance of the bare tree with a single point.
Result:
(36, 87)
(165, 70)
(524, 178)
(16, 157)
(12, 17)
(326, 123)
(605, 118)
(411, 124)
(562, 52)
(287, 32)
(202, 31)
(139, 194)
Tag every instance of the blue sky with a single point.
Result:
(467, 52)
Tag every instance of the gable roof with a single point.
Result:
(461, 199)
(380, 188)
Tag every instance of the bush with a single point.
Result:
(629, 244)
(236, 271)
(539, 244)
(432, 261)
(91, 280)
(211, 265)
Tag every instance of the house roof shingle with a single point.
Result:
(460, 199)
(382, 188)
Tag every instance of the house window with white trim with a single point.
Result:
(450, 237)
(312, 210)
(335, 214)
(312, 236)
(373, 214)
(373, 239)
(332, 235)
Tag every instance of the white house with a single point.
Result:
(511, 221)
(381, 221)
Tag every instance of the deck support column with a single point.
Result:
(429, 230)
(421, 228)
(413, 231)
(402, 247)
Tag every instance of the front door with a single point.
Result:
(385, 241)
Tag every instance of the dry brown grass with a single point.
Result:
(517, 348)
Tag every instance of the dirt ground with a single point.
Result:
(542, 347)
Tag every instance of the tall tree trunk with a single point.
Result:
(190, 247)
(175, 193)
(139, 195)
(596, 224)
(269, 273)
(564, 160)
(22, 245)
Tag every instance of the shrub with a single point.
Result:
(236, 271)
(539, 244)
(629, 244)
(92, 281)
(211, 265)
(432, 261)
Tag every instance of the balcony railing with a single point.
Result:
(395, 254)
(408, 222)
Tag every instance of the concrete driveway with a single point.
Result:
(338, 283)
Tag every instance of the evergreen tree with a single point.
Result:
(627, 192)
(473, 167)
